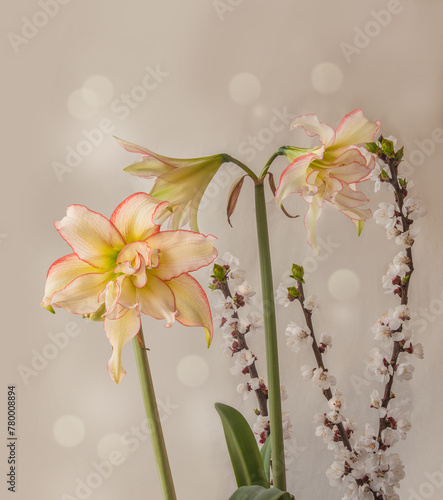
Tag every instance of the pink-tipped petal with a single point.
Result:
(293, 178)
(157, 300)
(134, 217)
(181, 252)
(315, 127)
(62, 272)
(82, 295)
(192, 304)
(93, 238)
(355, 129)
(119, 332)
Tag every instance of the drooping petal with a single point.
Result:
(82, 295)
(62, 272)
(119, 332)
(157, 300)
(310, 220)
(134, 217)
(192, 304)
(181, 252)
(293, 178)
(355, 129)
(314, 127)
(93, 238)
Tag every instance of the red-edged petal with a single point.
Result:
(62, 272)
(293, 178)
(134, 217)
(119, 332)
(314, 127)
(92, 237)
(82, 295)
(181, 252)
(157, 300)
(192, 304)
(355, 129)
(349, 198)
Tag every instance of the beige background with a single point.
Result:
(202, 105)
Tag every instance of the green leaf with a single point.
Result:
(360, 225)
(243, 449)
(372, 147)
(399, 154)
(403, 182)
(293, 292)
(259, 493)
(388, 147)
(298, 273)
(384, 175)
(219, 273)
(265, 453)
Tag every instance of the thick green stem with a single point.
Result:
(278, 455)
(153, 419)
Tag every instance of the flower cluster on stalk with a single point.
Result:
(236, 323)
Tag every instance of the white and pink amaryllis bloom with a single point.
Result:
(328, 174)
(126, 266)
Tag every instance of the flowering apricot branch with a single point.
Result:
(307, 308)
(237, 341)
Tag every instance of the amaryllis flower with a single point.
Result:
(182, 182)
(329, 173)
(125, 266)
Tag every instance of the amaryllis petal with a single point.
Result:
(181, 252)
(192, 304)
(82, 295)
(62, 272)
(349, 198)
(157, 300)
(134, 217)
(294, 176)
(128, 297)
(350, 174)
(182, 184)
(172, 162)
(93, 238)
(314, 127)
(119, 332)
(147, 168)
(355, 129)
(310, 220)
